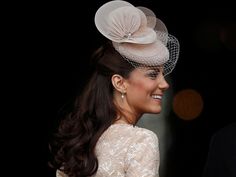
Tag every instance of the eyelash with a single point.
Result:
(153, 75)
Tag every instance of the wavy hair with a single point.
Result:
(94, 111)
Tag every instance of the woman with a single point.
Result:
(99, 138)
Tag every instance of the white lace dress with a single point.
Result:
(126, 151)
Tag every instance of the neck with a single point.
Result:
(127, 118)
(125, 114)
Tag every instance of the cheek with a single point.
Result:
(141, 86)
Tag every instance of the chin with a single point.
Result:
(155, 110)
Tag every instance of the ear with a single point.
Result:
(119, 83)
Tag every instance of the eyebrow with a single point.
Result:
(153, 69)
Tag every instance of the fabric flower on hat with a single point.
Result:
(136, 33)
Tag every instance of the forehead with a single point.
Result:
(142, 71)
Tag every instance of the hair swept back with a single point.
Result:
(94, 111)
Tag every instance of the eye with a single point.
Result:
(153, 74)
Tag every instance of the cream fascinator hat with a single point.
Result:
(136, 33)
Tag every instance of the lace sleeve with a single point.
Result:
(143, 157)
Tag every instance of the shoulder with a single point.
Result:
(130, 136)
(145, 138)
(227, 130)
(143, 134)
(223, 139)
(226, 133)
(137, 133)
(143, 152)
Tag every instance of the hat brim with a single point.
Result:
(153, 54)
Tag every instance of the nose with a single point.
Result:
(162, 83)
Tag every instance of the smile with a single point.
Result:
(157, 97)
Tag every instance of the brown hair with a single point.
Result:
(93, 113)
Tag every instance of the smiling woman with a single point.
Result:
(100, 137)
(144, 88)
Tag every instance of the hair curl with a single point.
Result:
(94, 111)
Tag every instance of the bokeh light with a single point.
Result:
(188, 104)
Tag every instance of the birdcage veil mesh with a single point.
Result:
(167, 63)
(138, 35)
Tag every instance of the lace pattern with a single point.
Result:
(127, 151)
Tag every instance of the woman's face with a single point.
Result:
(145, 89)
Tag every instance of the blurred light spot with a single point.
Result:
(188, 104)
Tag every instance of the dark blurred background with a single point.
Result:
(53, 65)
